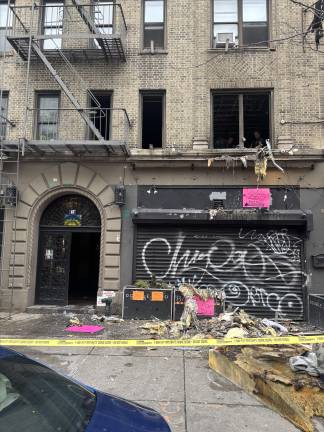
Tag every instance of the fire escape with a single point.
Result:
(57, 34)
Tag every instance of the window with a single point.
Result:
(103, 16)
(152, 119)
(47, 116)
(5, 25)
(53, 24)
(100, 104)
(240, 22)
(241, 120)
(3, 114)
(154, 17)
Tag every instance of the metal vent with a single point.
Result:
(218, 204)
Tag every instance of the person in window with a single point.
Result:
(257, 141)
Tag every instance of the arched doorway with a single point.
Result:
(68, 252)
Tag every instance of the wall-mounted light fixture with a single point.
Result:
(120, 195)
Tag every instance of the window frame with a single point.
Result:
(143, 23)
(38, 95)
(239, 23)
(240, 92)
(4, 95)
(8, 26)
(147, 92)
(93, 43)
(88, 132)
(56, 4)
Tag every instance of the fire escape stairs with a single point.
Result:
(66, 90)
(21, 46)
(86, 16)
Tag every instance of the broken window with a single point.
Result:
(152, 119)
(100, 104)
(53, 24)
(240, 22)
(241, 119)
(3, 114)
(5, 25)
(47, 116)
(154, 17)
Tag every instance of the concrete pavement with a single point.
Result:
(176, 383)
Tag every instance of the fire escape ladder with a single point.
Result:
(67, 91)
(86, 16)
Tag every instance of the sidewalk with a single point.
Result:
(177, 383)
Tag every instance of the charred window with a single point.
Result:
(241, 22)
(154, 24)
(100, 104)
(47, 116)
(152, 119)
(241, 119)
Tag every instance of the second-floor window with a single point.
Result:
(47, 116)
(154, 24)
(5, 25)
(53, 24)
(100, 113)
(240, 23)
(153, 103)
(3, 114)
(241, 119)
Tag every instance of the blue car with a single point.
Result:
(34, 398)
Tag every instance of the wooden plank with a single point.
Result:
(265, 373)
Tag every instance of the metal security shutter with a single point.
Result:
(260, 269)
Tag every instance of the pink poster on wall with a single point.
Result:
(206, 308)
(256, 198)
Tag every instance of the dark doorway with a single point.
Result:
(152, 120)
(68, 252)
(84, 268)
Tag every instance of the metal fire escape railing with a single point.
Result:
(65, 33)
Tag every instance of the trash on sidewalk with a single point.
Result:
(104, 318)
(311, 363)
(84, 329)
(199, 302)
(269, 323)
(230, 324)
(74, 321)
(265, 372)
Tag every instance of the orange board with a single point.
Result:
(157, 296)
(138, 295)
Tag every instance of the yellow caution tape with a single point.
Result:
(282, 340)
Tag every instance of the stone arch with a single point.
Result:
(56, 181)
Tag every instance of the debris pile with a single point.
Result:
(236, 324)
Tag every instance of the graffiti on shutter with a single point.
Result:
(259, 269)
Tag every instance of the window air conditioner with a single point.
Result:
(221, 39)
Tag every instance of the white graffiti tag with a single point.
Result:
(257, 274)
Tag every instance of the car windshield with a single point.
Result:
(33, 398)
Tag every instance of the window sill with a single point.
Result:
(155, 52)
(242, 49)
